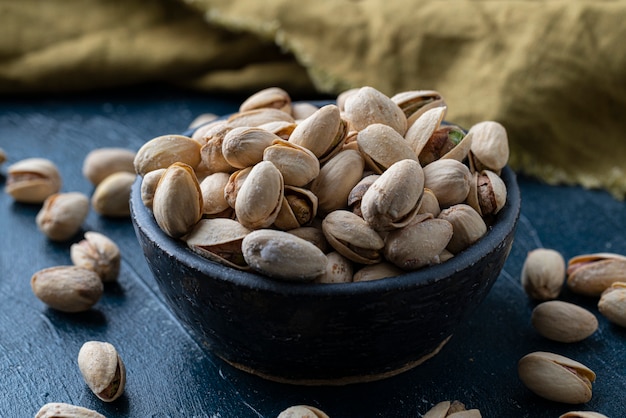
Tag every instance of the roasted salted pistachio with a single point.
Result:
(219, 239)
(272, 97)
(421, 131)
(260, 197)
(244, 146)
(148, 186)
(376, 271)
(102, 162)
(212, 189)
(381, 147)
(591, 274)
(322, 133)
(298, 165)
(32, 180)
(336, 179)
(612, 303)
(211, 154)
(102, 369)
(65, 410)
(415, 102)
(487, 194)
(165, 150)
(454, 409)
(445, 142)
(368, 106)
(112, 195)
(352, 237)
(62, 215)
(298, 208)
(99, 253)
(355, 197)
(563, 321)
(467, 224)
(338, 269)
(582, 414)
(429, 203)
(449, 180)
(202, 119)
(302, 411)
(258, 117)
(543, 274)
(67, 288)
(556, 378)
(490, 146)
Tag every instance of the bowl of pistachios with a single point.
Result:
(328, 243)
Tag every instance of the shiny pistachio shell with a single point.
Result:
(543, 274)
(591, 274)
(420, 132)
(490, 146)
(487, 193)
(336, 179)
(449, 180)
(298, 208)
(102, 369)
(298, 165)
(368, 106)
(163, 151)
(322, 133)
(243, 146)
(260, 197)
(352, 237)
(271, 97)
(338, 269)
(257, 117)
(381, 147)
(563, 321)
(377, 271)
(212, 189)
(32, 180)
(467, 224)
(219, 239)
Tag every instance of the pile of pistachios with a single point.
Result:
(369, 187)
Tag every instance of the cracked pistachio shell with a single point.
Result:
(423, 128)
(219, 239)
(453, 409)
(272, 97)
(65, 410)
(165, 150)
(298, 208)
(563, 321)
(177, 204)
(67, 288)
(612, 303)
(32, 180)
(352, 237)
(244, 146)
(205, 132)
(99, 253)
(102, 162)
(449, 180)
(447, 141)
(338, 269)
(298, 165)
(283, 256)
(102, 369)
(355, 197)
(336, 179)
(313, 234)
(582, 414)
(112, 195)
(418, 244)
(211, 155)
(591, 274)
(377, 271)
(487, 194)
(429, 203)
(62, 215)
(258, 117)
(556, 378)
(281, 128)
(415, 102)
(148, 186)
(467, 224)
(393, 199)
(490, 147)
(543, 274)
(302, 411)
(235, 181)
(322, 133)
(381, 147)
(368, 106)
(260, 197)
(212, 189)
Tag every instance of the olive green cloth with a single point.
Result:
(553, 72)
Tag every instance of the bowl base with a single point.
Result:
(341, 381)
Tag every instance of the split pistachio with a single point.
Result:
(415, 102)
(543, 274)
(102, 162)
(219, 239)
(298, 165)
(67, 288)
(449, 180)
(368, 106)
(556, 378)
(423, 128)
(33, 180)
(376, 271)
(302, 411)
(165, 150)
(352, 237)
(336, 179)
(272, 97)
(99, 253)
(563, 321)
(381, 147)
(65, 410)
(322, 133)
(258, 117)
(62, 215)
(467, 225)
(490, 146)
(211, 154)
(487, 194)
(591, 274)
(429, 203)
(212, 191)
(612, 303)
(260, 198)
(298, 208)
(112, 195)
(455, 409)
(102, 369)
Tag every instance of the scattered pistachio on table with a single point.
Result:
(32, 180)
(102, 162)
(99, 253)
(112, 195)
(102, 369)
(582, 414)
(67, 288)
(65, 410)
(302, 411)
(62, 215)
(454, 409)
(612, 303)
(591, 274)
(563, 321)
(543, 274)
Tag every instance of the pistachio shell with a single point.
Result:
(591, 274)
(449, 180)
(62, 215)
(298, 165)
(447, 141)
(212, 189)
(543, 274)
(102, 162)
(582, 414)
(422, 129)
(99, 253)
(211, 154)
(487, 194)
(313, 234)
(163, 151)
(302, 110)
(67, 288)
(32, 180)
(260, 197)
(257, 117)
(148, 186)
(352, 237)
(298, 208)
(219, 239)
(102, 369)
(376, 272)
(368, 106)
(280, 128)
(467, 224)
(415, 102)
(612, 304)
(322, 133)
(235, 181)
(243, 146)
(112, 195)
(490, 146)
(381, 147)
(338, 269)
(336, 179)
(563, 321)
(302, 411)
(429, 203)
(65, 410)
(272, 97)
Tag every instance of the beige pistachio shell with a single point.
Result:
(298, 208)
(314, 235)
(487, 194)
(165, 150)
(591, 274)
(415, 102)
(67, 288)
(148, 186)
(368, 106)
(32, 180)
(298, 165)
(283, 256)
(461, 150)
(467, 224)
(280, 128)
(244, 146)
(336, 179)
(99, 253)
(429, 203)
(582, 414)
(202, 119)
(205, 132)
(377, 271)
(102, 162)
(612, 303)
(352, 237)
(393, 199)
(490, 146)
(449, 180)
(455, 409)
(177, 204)
(447, 141)
(563, 321)
(211, 155)
(260, 197)
(65, 410)
(302, 110)
(112, 195)
(338, 269)
(343, 96)
(272, 97)
(62, 215)
(423, 128)
(356, 194)
(556, 378)
(219, 239)
(212, 188)
(381, 147)
(322, 133)
(258, 117)
(302, 411)
(543, 274)
(102, 369)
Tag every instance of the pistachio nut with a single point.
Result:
(62, 215)
(368, 106)
(66, 410)
(298, 208)
(447, 141)
(102, 162)
(219, 239)
(281, 128)
(455, 409)
(556, 378)
(467, 224)
(419, 243)
(376, 271)
(148, 186)
(283, 256)
(423, 128)
(165, 150)
(336, 179)
(235, 181)
(429, 203)
(211, 154)
(212, 188)
(487, 194)
(67, 288)
(612, 303)
(355, 197)
(244, 146)
(591, 274)
(302, 411)
(543, 274)
(112, 195)
(202, 119)
(582, 414)
(302, 110)
(381, 146)
(298, 165)
(271, 97)
(177, 204)
(338, 269)
(352, 237)
(258, 117)
(32, 180)
(204, 133)
(563, 321)
(102, 369)
(99, 253)
(322, 133)
(415, 102)
(343, 96)
(314, 235)
(449, 180)
(490, 146)
(260, 197)
(393, 199)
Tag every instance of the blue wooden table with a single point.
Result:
(169, 375)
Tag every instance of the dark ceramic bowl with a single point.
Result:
(324, 333)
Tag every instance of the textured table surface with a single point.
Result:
(168, 373)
